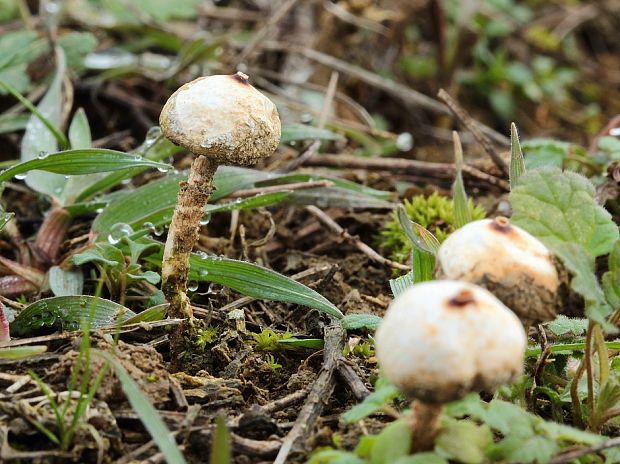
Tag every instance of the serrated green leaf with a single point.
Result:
(361, 321)
(295, 132)
(392, 443)
(383, 395)
(402, 283)
(68, 313)
(563, 325)
(559, 207)
(145, 411)
(517, 163)
(581, 265)
(463, 441)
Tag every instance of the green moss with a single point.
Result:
(435, 213)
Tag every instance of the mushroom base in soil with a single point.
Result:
(440, 340)
(222, 120)
(509, 262)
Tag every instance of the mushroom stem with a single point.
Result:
(424, 421)
(182, 236)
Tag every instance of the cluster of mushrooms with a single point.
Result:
(464, 332)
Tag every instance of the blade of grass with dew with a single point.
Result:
(21, 352)
(68, 313)
(221, 452)
(462, 214)
(155, 201)
(77, 162)
(517, 162)
(253, 280)
(145, 411)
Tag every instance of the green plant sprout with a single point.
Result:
(268, 340)
(434, 212)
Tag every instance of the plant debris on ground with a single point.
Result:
(403, 125)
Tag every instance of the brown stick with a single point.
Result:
(182, 236)
(361, 246)
(318, 395)
(473, 127)
(405, 166)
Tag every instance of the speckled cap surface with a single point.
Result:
(222, 117)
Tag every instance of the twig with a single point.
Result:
(470, 123)
(350, 377)
(318, 395)
(281, 188)
(313, 149)
(406, 166)
(265, 31)
(355, 241)
(570, 456)
(389, 86)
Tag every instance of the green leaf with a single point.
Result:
(65, 282)
(517, 163)
(463, 441)
(581, 265)
(418, 236)
(257, 201)
(563, 325)
(611, 279)
(392, 443)
(20, 352)
(421, 458)
(402, 283)
(220, 446)
(154, 313)
(258, 282)
(76, 162)
(545, 152)
(79, 131)
(332, 456)
(423, 265)
(4, 217)
(361, 321)
(102, 253)
(462, 213)
(13, 122)
(295, 132)
(559, 207)
(312, 343)
(383, 395)
(68, 313)
(148, 276)
(145, 411)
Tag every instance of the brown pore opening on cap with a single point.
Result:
(501, 224)
(462, 298)
(241, 78)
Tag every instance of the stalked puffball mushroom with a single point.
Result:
(506, 260)
(221, 120)
(442, 339)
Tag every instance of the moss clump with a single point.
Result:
(434, 212)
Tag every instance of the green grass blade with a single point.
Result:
(517, 162)
(58, 135)
(220, 446)
(77, 162)
(20, 352)
(146, 412)
(462, 214)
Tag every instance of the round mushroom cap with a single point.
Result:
(442, 339)
(224, 118)
(506, 260)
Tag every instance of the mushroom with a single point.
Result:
(509, 262)
(440, 340)
(222, 120)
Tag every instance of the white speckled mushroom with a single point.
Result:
(506, 260)
(440, 340)
(222, 120)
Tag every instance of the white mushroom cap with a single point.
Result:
(442, 339)
(506, 260)
(222, 117)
